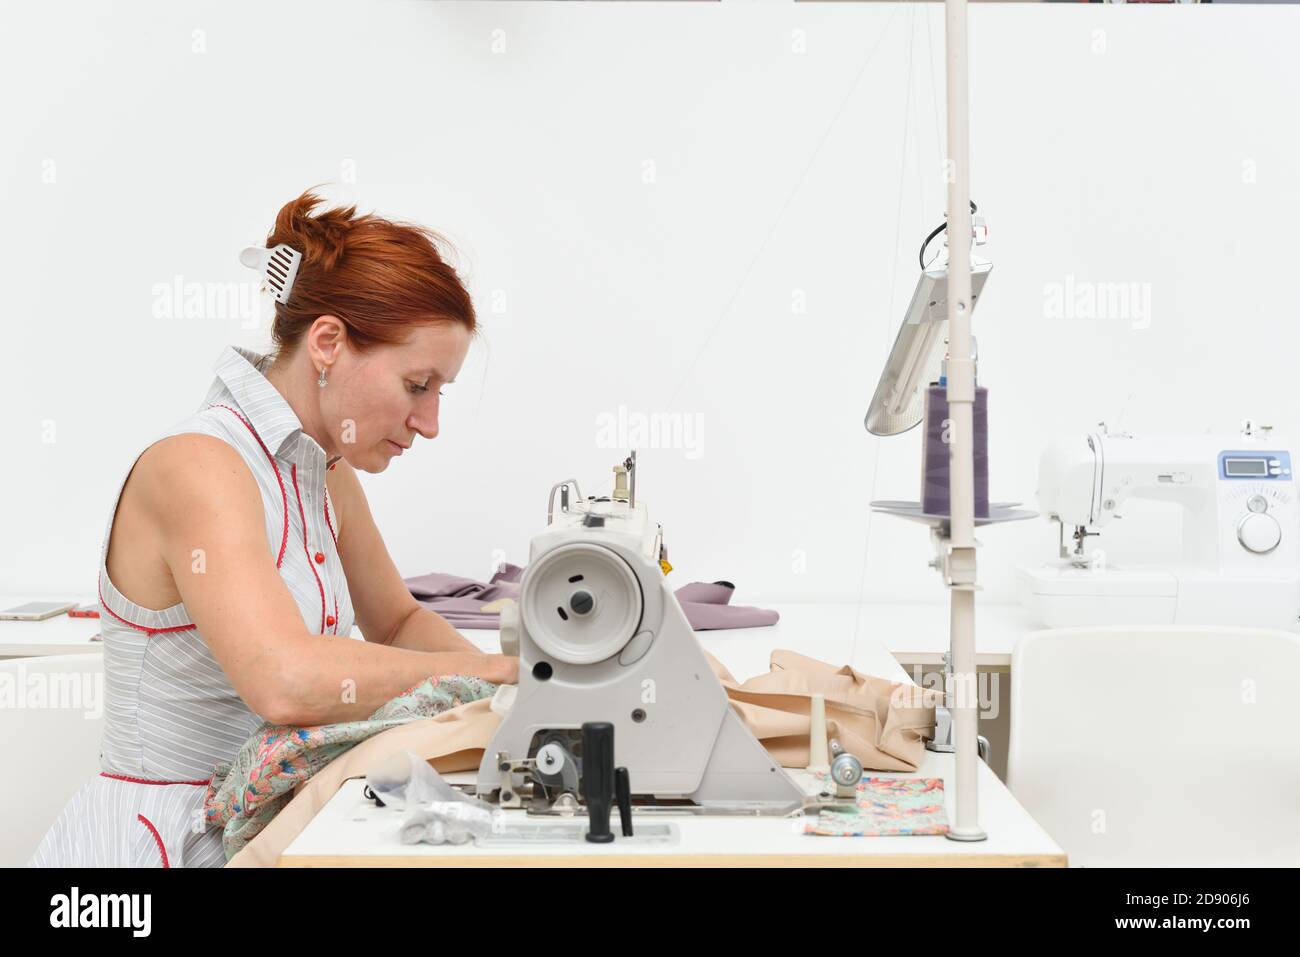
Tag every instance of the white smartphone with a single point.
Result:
(36, 610)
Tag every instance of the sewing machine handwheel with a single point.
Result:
(581, 603)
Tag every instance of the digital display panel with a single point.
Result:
(1245, 467)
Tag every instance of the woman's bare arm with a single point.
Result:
(209, 519)
(423, 629)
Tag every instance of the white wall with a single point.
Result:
(1110, 144)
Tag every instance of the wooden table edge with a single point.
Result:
(677, 860)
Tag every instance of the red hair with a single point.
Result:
(378, 276)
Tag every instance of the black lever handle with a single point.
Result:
(623, 794)
(598, 778)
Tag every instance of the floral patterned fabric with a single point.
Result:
(885, 806)
(249, 791)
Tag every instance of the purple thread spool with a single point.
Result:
(936, 457)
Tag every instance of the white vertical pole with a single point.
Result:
(961, 401)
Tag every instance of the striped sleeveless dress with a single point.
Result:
(171, 715)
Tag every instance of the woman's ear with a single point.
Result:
(326, 339)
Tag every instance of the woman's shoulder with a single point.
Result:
(183, 470)
(203, 453)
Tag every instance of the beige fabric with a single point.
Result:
(871, 719)
(883, 723)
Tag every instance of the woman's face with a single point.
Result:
(376, 404)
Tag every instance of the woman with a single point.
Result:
(245, 548)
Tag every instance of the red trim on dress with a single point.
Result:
(330, 525)
(284, 538)
(154, 831)
(293, 471)
(145, 628)
(131, 780)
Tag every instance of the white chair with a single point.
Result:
(1159, 746)
(51, 727)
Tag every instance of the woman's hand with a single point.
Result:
(507, 667)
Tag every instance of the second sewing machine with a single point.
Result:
(1240, 561)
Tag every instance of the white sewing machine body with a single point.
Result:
(601, 637)
(1241, 537)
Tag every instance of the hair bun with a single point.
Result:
(379, 277)
(321, 239)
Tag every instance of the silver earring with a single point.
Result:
(321, 381)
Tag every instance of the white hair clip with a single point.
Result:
(278, 266)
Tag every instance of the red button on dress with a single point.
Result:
(320, 558)
(329, 620)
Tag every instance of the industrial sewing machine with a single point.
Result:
(1240, 538)
(601, 638)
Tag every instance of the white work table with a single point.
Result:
(59, 635)
(352, 831)
(916, 634)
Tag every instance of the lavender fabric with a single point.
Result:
(707, 607)
(461, 600)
